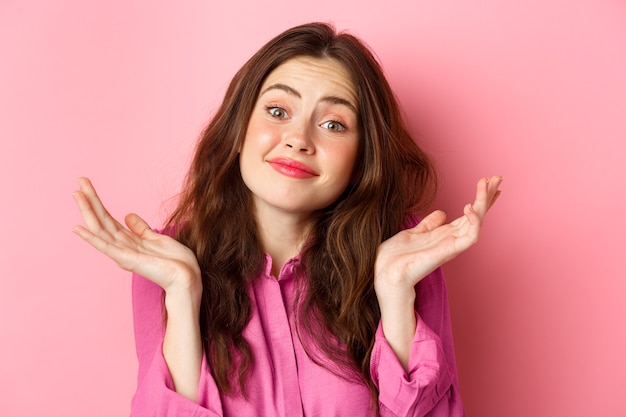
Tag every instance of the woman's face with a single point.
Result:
(302, 140)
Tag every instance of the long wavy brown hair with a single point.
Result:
(213, 217)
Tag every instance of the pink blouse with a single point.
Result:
(284, 381)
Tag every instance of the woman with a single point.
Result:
(293, 278)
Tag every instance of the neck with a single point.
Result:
(282, 235)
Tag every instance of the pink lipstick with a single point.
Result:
(291, 168)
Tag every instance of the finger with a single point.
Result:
(430, 222)
(493, 191)
(91, 219)
(480, 200)
(98, 209)
(495, 198)
(116, 253)
(493, 184)
(486, 189)
(472, 216)
(138, 226)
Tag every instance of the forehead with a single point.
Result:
(325, 75)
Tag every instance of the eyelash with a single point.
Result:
(341, 126)
(272, 111)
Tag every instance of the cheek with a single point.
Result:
(252, 137)
(259, 134)
(354, 170)
(343, 159)
(349, 155)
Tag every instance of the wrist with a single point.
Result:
(394, 292)
(184, 297)
(396, 302)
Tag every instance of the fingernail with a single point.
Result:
(74, 195)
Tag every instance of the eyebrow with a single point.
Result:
(293, 92)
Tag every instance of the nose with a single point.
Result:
(299, 139)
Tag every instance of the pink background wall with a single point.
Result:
(118, 91)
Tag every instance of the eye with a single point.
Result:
(277, 112)
(334, 126)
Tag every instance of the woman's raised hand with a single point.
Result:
(139, 249)
(407, 257)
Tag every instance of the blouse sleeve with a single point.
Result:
(155, 396)
(430, 386)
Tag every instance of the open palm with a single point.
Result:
(136, 248)
(407, 257)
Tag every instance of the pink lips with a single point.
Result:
(291, 168)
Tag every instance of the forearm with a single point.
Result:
(398, 319)
(182, 346)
